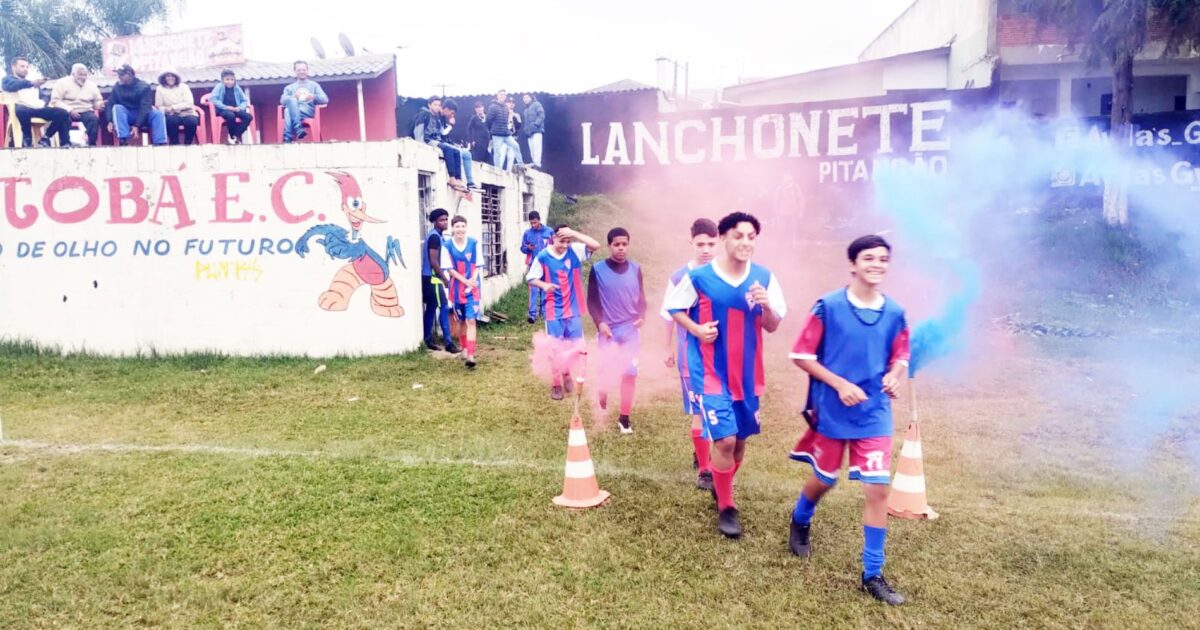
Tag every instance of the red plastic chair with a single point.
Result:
(313, 124)
(218, 123)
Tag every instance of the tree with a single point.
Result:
(55, 34)
(1114, 32)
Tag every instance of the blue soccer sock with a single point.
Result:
(804, 510)
(872, 555)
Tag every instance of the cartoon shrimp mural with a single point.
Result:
(366, 266)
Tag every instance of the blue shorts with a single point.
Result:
(625, 341)
(566, 328)
(470, 310)
(725, 417)
(691, 405)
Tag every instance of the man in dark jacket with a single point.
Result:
(478, 137)
(131, 108)
(30, 106)
(535, 126)
(497, 124)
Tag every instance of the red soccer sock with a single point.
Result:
(470, 346)
(701, 447)
(628, 384)
(723, 484)
(462, 341)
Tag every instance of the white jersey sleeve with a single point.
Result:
(682, 296)
(775, 294)
(535, 269)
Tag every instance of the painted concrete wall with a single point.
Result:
(177, 249)
(967, 26)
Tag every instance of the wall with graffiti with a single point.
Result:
(298, 249)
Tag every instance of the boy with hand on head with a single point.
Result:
(535, 239)
(558, 270)
(703, 242)
(617, 304)
(460, 258)
(725, 307)
(855, 349)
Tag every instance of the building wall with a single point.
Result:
(1078, 88)
(108, 249)
(964, 25)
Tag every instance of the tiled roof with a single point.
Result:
(267, 73)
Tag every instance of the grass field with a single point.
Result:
(210, 491)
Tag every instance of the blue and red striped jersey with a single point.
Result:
(566, 273)
(733, 364)
(464, 261)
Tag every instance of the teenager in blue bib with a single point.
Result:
(855, 348)
(460, 259)
(617, 304)
(725, 307)
(558, 271)
(703, 243)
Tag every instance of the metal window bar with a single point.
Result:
(493, 232)
(424, 204)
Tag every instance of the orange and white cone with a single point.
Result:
(907, 498)
(580, 488)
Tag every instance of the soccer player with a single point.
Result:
(855, 348)
(460, 258)
(725, 307)
(704, 243)
(433, 295)
(558, 270)
(616, 302)
(535, 239)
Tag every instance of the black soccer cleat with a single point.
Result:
(451, 348)
(531, 320)
(432, 345)
(704, 480)
(626, 427)
(798, 540)
(556, 393)
(470, 363)
(728, 524)
(568, 383)
(878, 588)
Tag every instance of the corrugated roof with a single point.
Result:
(265, 72)
(624, 85)
(732, 90)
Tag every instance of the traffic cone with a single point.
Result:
(580, 488)
(907, 498)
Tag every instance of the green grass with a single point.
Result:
(372, 504)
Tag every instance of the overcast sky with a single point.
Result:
(560, 46)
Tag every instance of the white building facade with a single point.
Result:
(965, 44)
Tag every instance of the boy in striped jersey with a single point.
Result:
(725, 307)
(558, 270)
(704, 243)
(855, 348)
(460, 259)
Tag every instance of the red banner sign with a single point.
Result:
(200, 48)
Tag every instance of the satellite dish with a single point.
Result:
(346, 45)
(317, 47)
